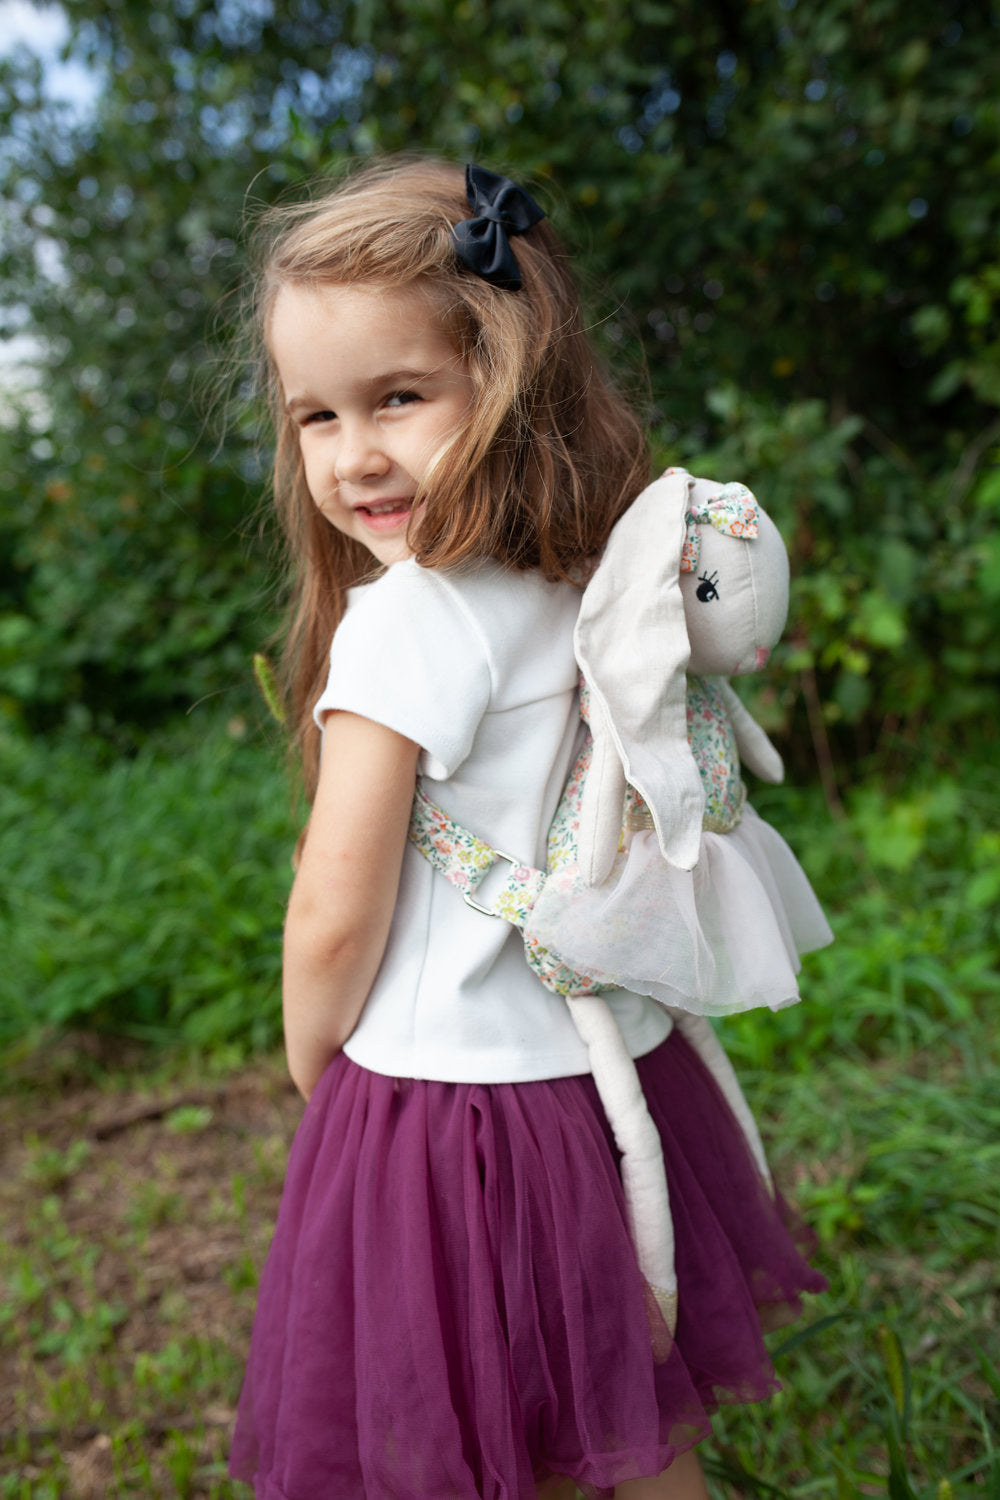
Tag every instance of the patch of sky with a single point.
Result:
(182, 65)
(322, 97)
(20, 379)
(43, 31)
(239, 23)
(225, 126)
(662, 100)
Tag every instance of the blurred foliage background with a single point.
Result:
(787, 217)
(786, 214)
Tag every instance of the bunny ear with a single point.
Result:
(632, 647)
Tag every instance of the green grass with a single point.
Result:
(891, 1387)
(135, 1227)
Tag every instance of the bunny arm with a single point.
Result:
(756, 750)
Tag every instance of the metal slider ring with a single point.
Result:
(467, 895)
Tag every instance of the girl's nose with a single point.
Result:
(360, 455)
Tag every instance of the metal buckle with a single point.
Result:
(467, 895)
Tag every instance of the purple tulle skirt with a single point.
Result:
(452, 1309)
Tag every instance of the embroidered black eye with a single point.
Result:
(706, 587)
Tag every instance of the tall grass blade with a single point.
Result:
(268, 684)
(846, 1489)
(987, 1369)
(804, 1334)
(732, 1472)
(897, 1370)
(899, 1486)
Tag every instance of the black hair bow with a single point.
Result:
(500, 208)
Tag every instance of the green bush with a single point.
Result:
(895, 585)
(792, 211)
(146, 893)
(910, 882)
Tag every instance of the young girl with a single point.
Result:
(452, 1306)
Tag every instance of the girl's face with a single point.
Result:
(376, 390)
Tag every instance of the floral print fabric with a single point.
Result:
(733, 511)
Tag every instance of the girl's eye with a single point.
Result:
(318, 416)
(402, 398)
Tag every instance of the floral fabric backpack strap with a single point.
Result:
(465, 861)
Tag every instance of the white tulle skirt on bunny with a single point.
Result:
(722, 938)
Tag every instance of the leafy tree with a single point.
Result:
(136, 578)
(798, 207)
(794, 210)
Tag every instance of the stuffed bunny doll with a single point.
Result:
(698, 902)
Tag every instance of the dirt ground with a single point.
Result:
(136, 1210)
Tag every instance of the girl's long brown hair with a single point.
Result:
(551, 455)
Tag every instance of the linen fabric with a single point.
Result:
(476, 666)
(632, 646)
(452, 1307)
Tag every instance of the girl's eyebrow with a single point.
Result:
(401, 377)
(375, 382)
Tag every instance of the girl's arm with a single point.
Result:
(345, 889)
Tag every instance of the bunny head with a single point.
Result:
(694, 579)
(733, 581)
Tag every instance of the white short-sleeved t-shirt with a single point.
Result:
(475, 665)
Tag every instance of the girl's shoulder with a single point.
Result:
(429, 652)
(482, 581)
(491, 608)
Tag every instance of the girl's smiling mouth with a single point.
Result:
(384, 515)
